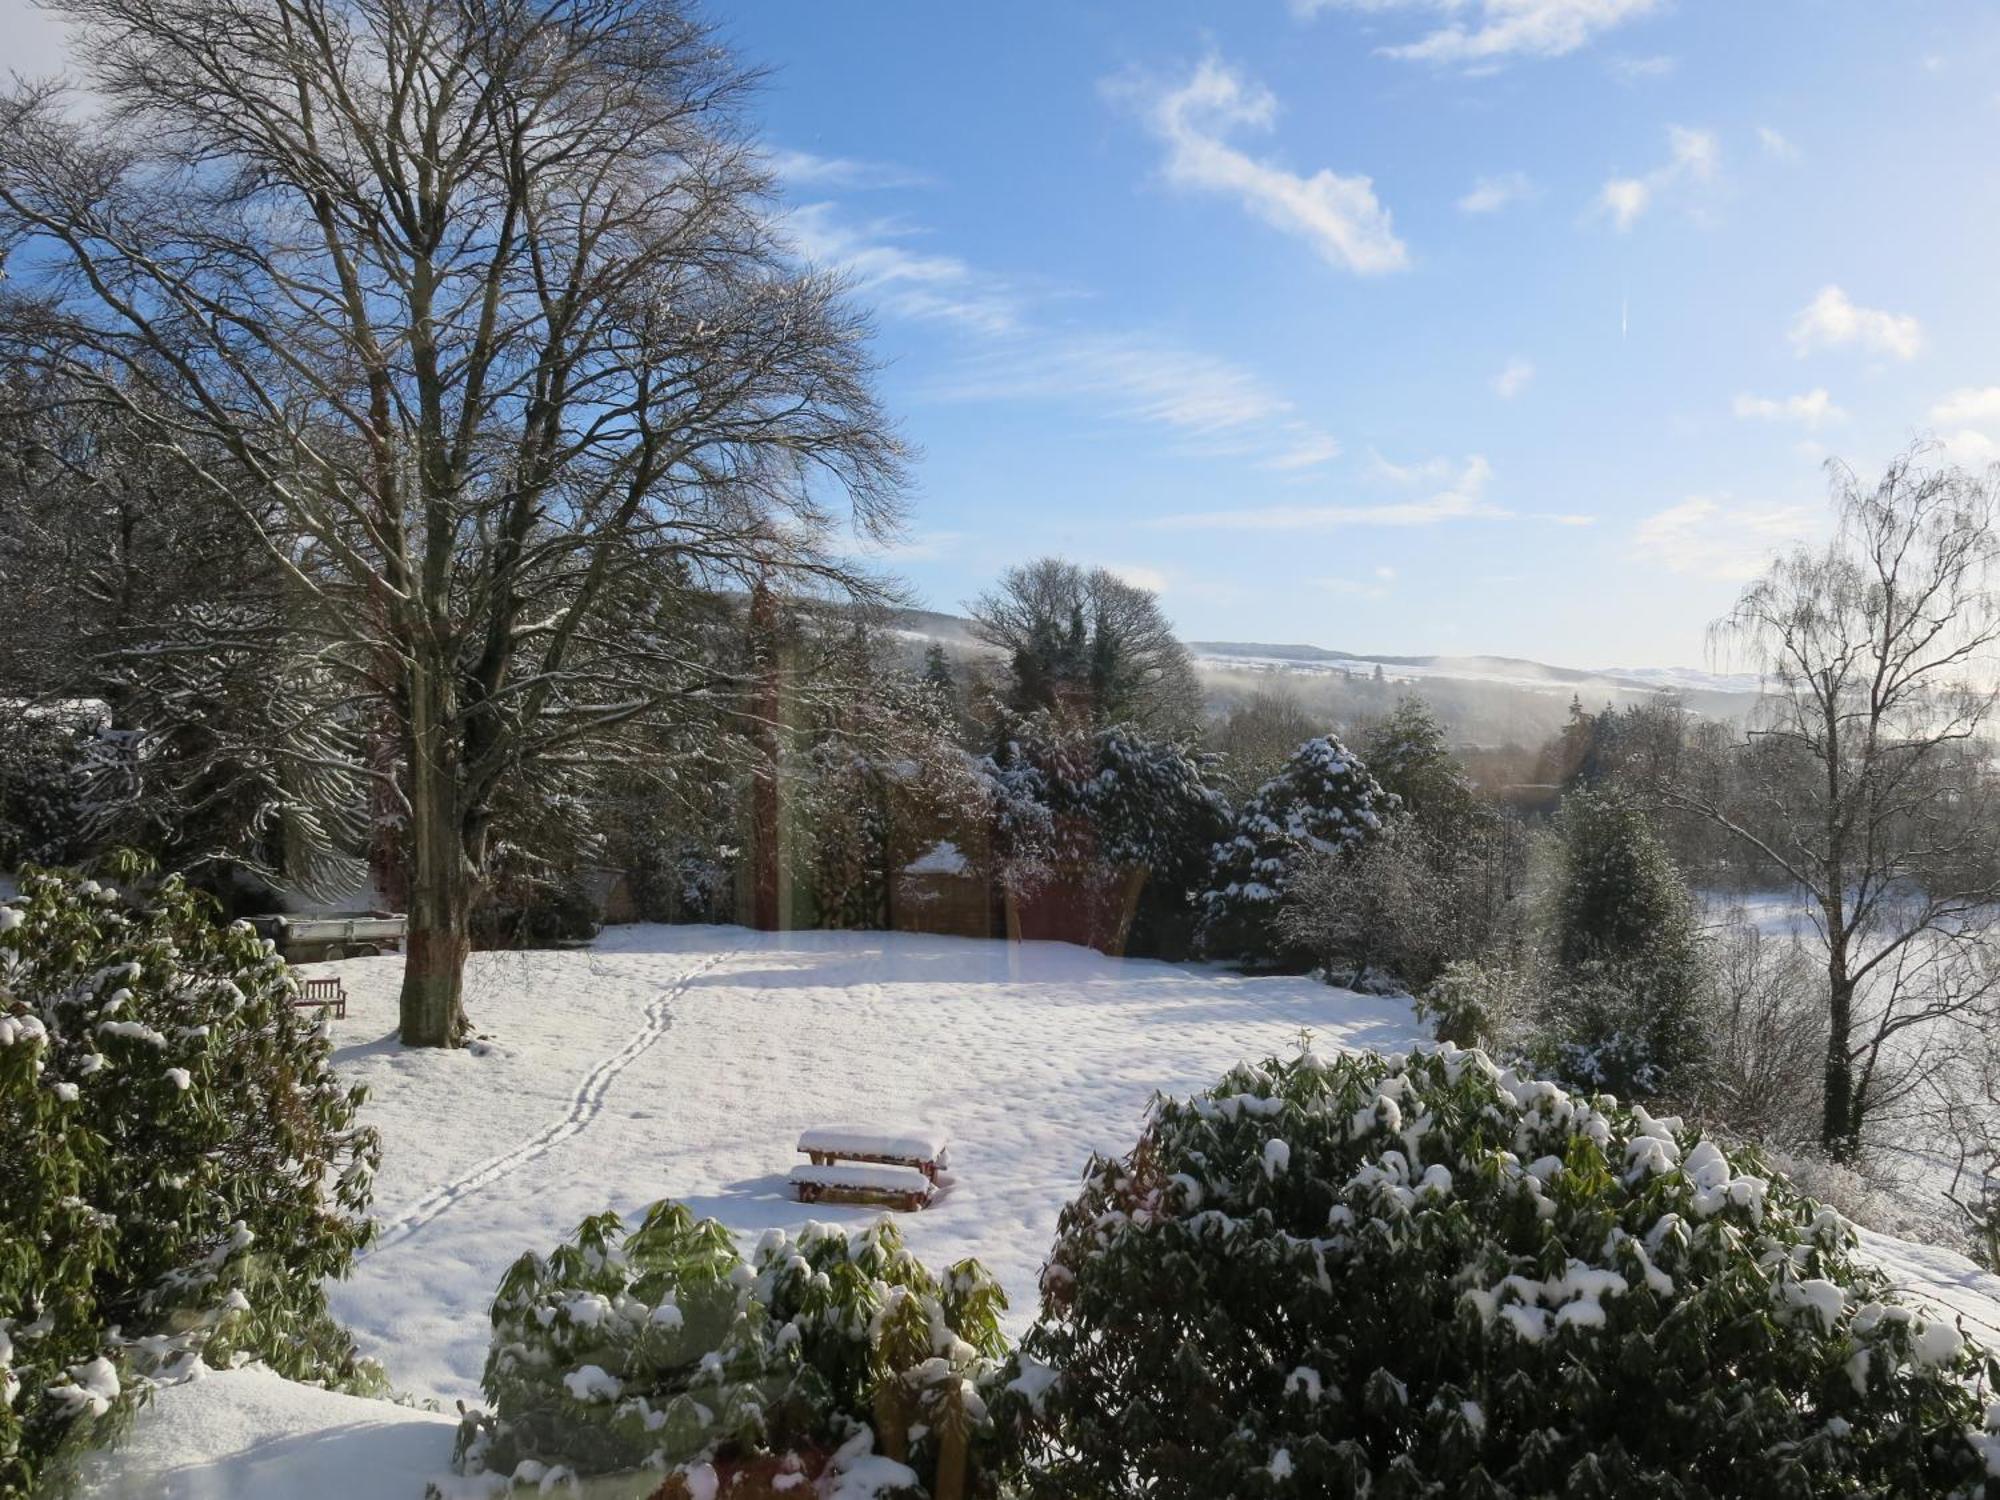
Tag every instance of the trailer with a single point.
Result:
(315, 936)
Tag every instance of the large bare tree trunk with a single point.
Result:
(442, 879)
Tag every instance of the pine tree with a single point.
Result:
(1324, 801)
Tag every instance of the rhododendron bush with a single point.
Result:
(181, 1169)
(1422, 1275)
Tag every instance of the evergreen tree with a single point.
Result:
(938, 674)
(1626, 995)
(1324, 801)
(1410, 756)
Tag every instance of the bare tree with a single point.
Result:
(1260, 733)
(1090, 646)
(486, 296)
(1866, 769)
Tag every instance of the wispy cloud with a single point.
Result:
(1491, 194)
(1222, 408)
(1776, 146)
(916, 546)
(1813, 410)
(1374, 587)
(1339, 216)
(1638, 69)
(1461, 495)
(1832, 320)
(802, 169)
(1705, 537)
(1968, 424)
(879, 258)
(1498, 30)
(1693, 158)
(1217, 406)
(1513, 380)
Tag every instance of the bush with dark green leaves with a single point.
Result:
(1424, 1276)
(663, 1352)
(181, 1171)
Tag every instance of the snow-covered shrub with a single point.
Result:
(1477, 1003)
(1108, 822)
(43, 816)
(1323, 801)
(1394, 912)
(663, 1355)
(1424, 1276)
(181, 1170)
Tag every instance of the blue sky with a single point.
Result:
(1519, 326)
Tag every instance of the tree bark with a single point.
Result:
(1840, 1122)
(442, 878)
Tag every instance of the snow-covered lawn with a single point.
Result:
(683, 1062)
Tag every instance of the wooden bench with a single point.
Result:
(324, 994)
(896, 1166)
(898, 1146)
(902, 1188)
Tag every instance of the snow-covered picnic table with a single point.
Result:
(928, 1151)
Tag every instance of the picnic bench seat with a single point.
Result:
(905, 1188)
(900, 1146)
(323, 994)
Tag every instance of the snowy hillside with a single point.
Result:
(684, 1062)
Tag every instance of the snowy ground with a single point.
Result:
(684, 1062)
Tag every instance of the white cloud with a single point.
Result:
(1513, 380)
(1968, 425)
(1776, 146)
(1311, 449)
(1352, 588)
(1462, 498)
(1693, 156)
(1152, 580)
(1500, 29)
(1624, 198)
(1832, 320)
(1970, 406)
(1491, 194)
(902, 280)
(1632, 69)
(798, 169)
(1339, 216)
(1710, 538)
(919, 546)
(1225, 408)
(1812, 411)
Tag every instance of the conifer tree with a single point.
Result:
(1324, 801)
(1626, 999)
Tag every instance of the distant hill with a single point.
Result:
(1485, 700)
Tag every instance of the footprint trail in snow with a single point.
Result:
(584, 1107)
